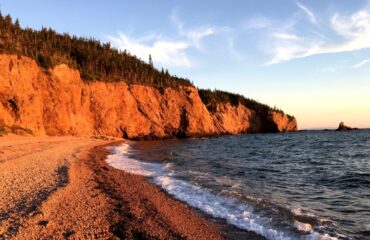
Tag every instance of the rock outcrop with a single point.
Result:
(58, 102)
(343, 127)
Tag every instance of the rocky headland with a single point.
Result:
(56, 101)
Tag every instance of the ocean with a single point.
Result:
(302, 185)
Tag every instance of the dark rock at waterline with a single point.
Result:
(343, 127)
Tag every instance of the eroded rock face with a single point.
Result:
(58, 102)
(283, 122)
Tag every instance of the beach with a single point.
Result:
(178, 120)
(61, 187)
(279, 186)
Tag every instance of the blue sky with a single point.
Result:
(310, 58)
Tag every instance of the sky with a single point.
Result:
(308, 58)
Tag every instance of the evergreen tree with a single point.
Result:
(94, 60)
(150, 60)
(101, 62)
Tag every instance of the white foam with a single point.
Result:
(169, 166)
(120, 160)
(237, 214)
(300, 212)
(318, 236)
(234, 212)
(303, 227)
(297, 211)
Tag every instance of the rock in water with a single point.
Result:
(343, 127)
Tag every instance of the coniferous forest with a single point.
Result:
(212, 97)
(94, 60)
(98, 61)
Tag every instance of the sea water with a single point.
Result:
(303, 185)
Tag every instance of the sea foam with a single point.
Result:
(233, 211)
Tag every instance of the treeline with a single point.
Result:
(213, 97)
(101, 62)
(94, 60)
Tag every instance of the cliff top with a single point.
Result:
(98, 61)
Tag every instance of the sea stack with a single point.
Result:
(343, 127)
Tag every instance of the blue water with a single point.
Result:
(304, 185)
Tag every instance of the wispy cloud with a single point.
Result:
(308, 12)
(235, 54)
(352, 33)
(167, 52)
(362, 63)
(286, 36)
(193, 35)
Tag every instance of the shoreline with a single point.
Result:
(62, 187)
(142, 209)
(198, 225)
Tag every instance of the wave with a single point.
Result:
(234, 211)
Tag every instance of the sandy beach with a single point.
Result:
(61, 187)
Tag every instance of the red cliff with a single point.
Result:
(58, 102)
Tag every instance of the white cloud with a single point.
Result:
(362, 63)
(286, 36)
(166, 51)
(285, 52)
(192, 35)
(353, 33)
(355, 27)
(196, 35)
(307, 11)
(163, 51)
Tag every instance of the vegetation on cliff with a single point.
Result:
(99, 61)
(94, 60)
(213, 97)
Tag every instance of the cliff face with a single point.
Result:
(58, 102)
